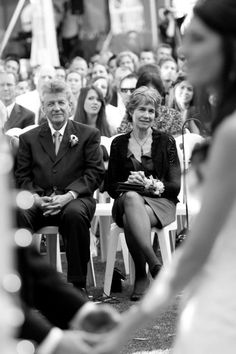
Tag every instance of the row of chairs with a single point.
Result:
(111, 239)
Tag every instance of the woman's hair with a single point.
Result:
(173, 103)
(130, 54)
(109, 88)
(152, 79)
(81, 116)
(220, 17)
(142, 95)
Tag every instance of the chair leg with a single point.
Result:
(91, 279)
(165, 246)
(53, 251)
(104, 229)
(111, 257)
(36, 241)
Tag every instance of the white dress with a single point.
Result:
(208, 320)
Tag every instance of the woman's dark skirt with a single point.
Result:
(164, 209)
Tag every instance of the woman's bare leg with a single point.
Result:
(138, 220)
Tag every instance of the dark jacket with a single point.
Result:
(20, 117)
(78, 168)
(164, 157)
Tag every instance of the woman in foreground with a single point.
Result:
(206, 264)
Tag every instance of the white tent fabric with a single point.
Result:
(44, 48)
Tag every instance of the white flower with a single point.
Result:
(154, 185)
(73, 140)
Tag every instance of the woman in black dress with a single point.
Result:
(144, 157)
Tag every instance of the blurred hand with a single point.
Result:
(73, 342)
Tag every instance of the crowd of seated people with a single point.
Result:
(101, 93)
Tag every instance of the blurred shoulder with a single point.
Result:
(226, 131)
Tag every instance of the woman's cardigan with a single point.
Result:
(164, 157)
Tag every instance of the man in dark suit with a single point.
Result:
(17, 116)
(60, 162)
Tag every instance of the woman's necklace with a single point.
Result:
(141, 144)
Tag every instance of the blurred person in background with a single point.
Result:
(98, 70)
(76, 81)
(17, 115)
(163, 50)
(31, 99)
(183, 100)
(91, 111)
(127, 59)
(60, 73)
(113, 114)
(23, 86)
(168, 73)
(127, 87)
(146, 56)
(111, 63)
(12, 64)
(181, 60)
(79, 64)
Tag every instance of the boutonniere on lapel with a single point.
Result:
(73, 140)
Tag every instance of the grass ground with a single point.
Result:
(158, 336)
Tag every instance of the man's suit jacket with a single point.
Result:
(78, 168)
(43, 289)
(20, 117)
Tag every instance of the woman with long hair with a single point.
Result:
(91, 109)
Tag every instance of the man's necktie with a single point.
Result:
(57, 141)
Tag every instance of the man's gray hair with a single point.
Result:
(56, 86)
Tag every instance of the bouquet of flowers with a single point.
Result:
(154, 185)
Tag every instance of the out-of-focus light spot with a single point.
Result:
(24, 200)
(15, 316)
(11, 283)
(23, 237)
(25, 347)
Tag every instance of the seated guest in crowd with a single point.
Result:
(127, 59)
(12, 65)
(167, 119)
(80, 65)
(91, 109)
(163, 50)
(98, 70)
(126, 88)
(31, 100)
(146, 56)
(60, 73)
(142, 157)
(60, 162)
(183, 100)
(3, 115)
(168, 72)
(113, 114)
(23, 86)
(76, 81)
(17, 115)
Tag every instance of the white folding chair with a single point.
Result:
(53, 255)
(117, 233)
